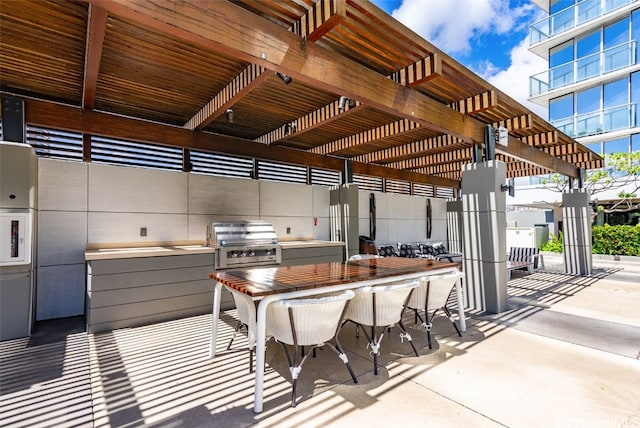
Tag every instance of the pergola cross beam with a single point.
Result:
(96, 29)
(313, 120)
(241, 85)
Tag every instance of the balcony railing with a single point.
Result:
(597, 122)
(566, 19)
(594, 65)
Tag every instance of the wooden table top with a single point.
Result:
(258, 282)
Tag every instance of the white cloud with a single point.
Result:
(514, 81)
(451, 24)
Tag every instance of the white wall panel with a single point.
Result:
(125, 227)
(62, 237)
(401, 206)
(300, 227)
(224, 196)
(285, 199)
(62, 185)
(141, 190)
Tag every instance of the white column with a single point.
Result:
(576, 227)
(484, 237)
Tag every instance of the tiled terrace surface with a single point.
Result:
(565, 354)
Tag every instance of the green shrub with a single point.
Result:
(554, 244)
(616, 240)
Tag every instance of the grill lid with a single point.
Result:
(240, 234)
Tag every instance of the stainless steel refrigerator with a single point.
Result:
(18, 216)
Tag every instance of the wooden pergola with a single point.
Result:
(361, 86)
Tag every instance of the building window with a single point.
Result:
(588, 53)
(616, 146)
(596, 147)
(558, 5)
(635, 143)
(561, 114)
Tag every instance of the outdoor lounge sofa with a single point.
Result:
(524, 258)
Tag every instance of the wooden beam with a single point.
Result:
(313, 120)
(392, 129)
(238, 88)
(59, 116)
(325, 15)
(231, 30)
(96, 29)
(86, 147)
(322, 18)
(419, 72)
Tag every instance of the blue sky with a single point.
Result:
(487, 36)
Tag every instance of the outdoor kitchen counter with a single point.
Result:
(132, 286)
(135, 252)
(176, 250)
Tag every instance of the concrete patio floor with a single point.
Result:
(565, 354)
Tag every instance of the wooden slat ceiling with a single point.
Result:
(158, 61)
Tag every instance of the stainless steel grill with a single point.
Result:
(240, 244)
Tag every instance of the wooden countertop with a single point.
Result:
(259, 282)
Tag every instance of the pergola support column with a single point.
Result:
(576, 214)
(484, 235)
(343, 212)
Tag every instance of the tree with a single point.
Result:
(621, 171)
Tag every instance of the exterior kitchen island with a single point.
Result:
(270, 284)
(132, 286)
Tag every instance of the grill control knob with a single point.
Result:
(251, 253)
(243, 254)
(234, 254)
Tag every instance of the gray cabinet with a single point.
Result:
(15, 302)
(299, 255)
(134, 291)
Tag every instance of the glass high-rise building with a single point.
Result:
(592, 84)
